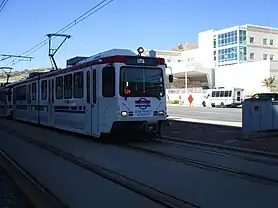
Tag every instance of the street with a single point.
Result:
(213, 114)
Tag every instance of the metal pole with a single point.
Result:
(185, 81)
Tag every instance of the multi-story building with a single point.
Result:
(250, 51)
(240, 44)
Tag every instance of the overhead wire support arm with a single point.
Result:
(8, 74)
(53, 51)
(7, 56)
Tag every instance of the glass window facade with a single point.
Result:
(230, 47)
(242, 53)
(242, 37)
(228, 38)
(227, 54)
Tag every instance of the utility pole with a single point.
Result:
(52, 51)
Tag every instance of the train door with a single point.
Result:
(88, 121)
(95, 106)
(91, 100)
(50, 101)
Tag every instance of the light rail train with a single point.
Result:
(114, 92)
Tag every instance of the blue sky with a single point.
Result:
(157, 24)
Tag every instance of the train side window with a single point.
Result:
(44, 90)
(217, 94)
(68, 86)
(94, 87)
(34, 91)
(108, 81)
(59, 87)
(226, 93)
(78, 88)
(230, 93)
(21, 93)
(221, 93)
(88, 79)
(213, 94)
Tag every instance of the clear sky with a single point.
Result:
(153, 24)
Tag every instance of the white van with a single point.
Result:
(223, 97)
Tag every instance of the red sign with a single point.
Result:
(190, 99)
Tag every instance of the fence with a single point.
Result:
(180, 96)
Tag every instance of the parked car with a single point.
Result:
(265, 96)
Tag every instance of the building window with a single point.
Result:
(242, 53)
(252, 56)
(265, 57)
(270, 42)
(227, 54)
(242, 36)
(252, 40)
(265, 41)
(271, 57)
(228, 38)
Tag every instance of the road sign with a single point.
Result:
(190, 99)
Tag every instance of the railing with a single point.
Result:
(183, 90)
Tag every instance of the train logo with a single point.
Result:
(142, 103)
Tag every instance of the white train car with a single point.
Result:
(114, 92)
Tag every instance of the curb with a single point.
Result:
(206, 122)
(239, 149)
(184, 105)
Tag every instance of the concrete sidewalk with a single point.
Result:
(222, 123)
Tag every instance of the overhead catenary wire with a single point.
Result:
(3, 4)
(84, 16)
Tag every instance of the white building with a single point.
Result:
(251, 51)
(247, 75)
(244, 43)
(239, 56)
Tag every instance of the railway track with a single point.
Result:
(220, 146)
(208, 149)
(198, 163)
(144, 190)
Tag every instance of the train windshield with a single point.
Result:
(141, 82)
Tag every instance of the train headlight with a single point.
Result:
(140, 50)
(161, 113)
(123, 113)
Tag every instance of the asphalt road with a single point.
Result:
(215, 114)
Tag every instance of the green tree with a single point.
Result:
(269, 83)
